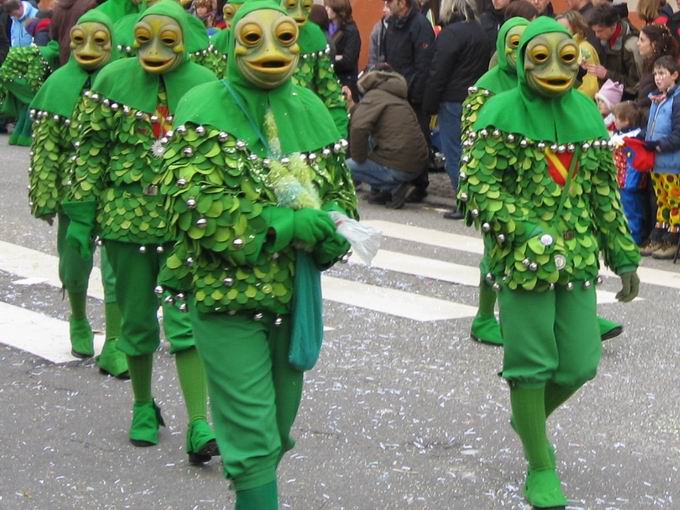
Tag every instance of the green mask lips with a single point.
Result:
(298, 10)
(551, 63)
(266, 48)
(160, 43)
(91, 45)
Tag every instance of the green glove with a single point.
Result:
(630, 288)
(80, 229)
(330, 250)
(311, 226)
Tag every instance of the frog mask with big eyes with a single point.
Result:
(159, 42)
(266, 48)
(512, 44)
(91, 45)
(551, 63)
(229, 11)
(298, 10)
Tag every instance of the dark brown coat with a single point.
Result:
(385, 115)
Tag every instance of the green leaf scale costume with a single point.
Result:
(51, 172)
(21, 75)
(541, 182)
(225, 163)
(116, 194)
(315, 69)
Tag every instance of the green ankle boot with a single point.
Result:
(608, 329)
(201, 444)
(111, 361)
(543, 490)
(485, 329)
(146, 419)
(81, 338)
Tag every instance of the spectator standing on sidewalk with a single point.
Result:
(408, 51)
(492, 19)
(618, 43)
(460, 58)
(388, 149)
(347, 42)
(375, 45)
(20, 12)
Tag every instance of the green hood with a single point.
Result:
(195, 34)
(311, 39)
(116, 9)
(238, 108)
(126, 82)
(569, 118)
(62, 90)
(502, 77)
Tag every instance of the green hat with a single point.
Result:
(568, 118)
(302, 121)
(126, 82)
(62, 90)
(502, 77)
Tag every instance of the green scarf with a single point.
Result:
(126, 82)
(311, 38)
(237, 107)
(502, 77)
(116, 9)
(195, 34)
(62, 90)
(569, 118)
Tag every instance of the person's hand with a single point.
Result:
(312, 226)
(630, 286)
(348, 96)
(652, 145)
(598, 70)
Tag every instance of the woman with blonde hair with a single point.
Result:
(576, 24)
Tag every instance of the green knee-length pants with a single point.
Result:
(136, 278)
(550, 336)
(254, 392)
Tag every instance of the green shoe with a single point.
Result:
(486, 330)
(543, 490)
(608, 329)
(111, 361)
(146, 419)
(201, 444)
(81, 338)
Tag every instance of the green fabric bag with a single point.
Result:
(306, 334)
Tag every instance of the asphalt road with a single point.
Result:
(398, 413)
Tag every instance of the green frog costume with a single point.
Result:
(315, 69)
(221, 40)
(22, 74)
(123, 119)
(501, 78)
(541, 182)
(251, 175)
(51, 172)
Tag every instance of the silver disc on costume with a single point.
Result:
(560, 262)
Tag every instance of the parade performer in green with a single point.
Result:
(541, 182)
(55, 136)
(315, 69)
(501, 78)
(222, 38)
(123, 119)
(252, 174)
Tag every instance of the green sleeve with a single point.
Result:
(46, 164)
(329, 90)
(217, 200)
(621, 254)
(471, 106)
(334, 181)
(93, 126)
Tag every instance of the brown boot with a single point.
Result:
(653, 243)
(665, 252)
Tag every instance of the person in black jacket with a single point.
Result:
(407, 50)
(461, 56)
(492, 19)
(347, 41)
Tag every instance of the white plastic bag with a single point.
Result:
(365, 240)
